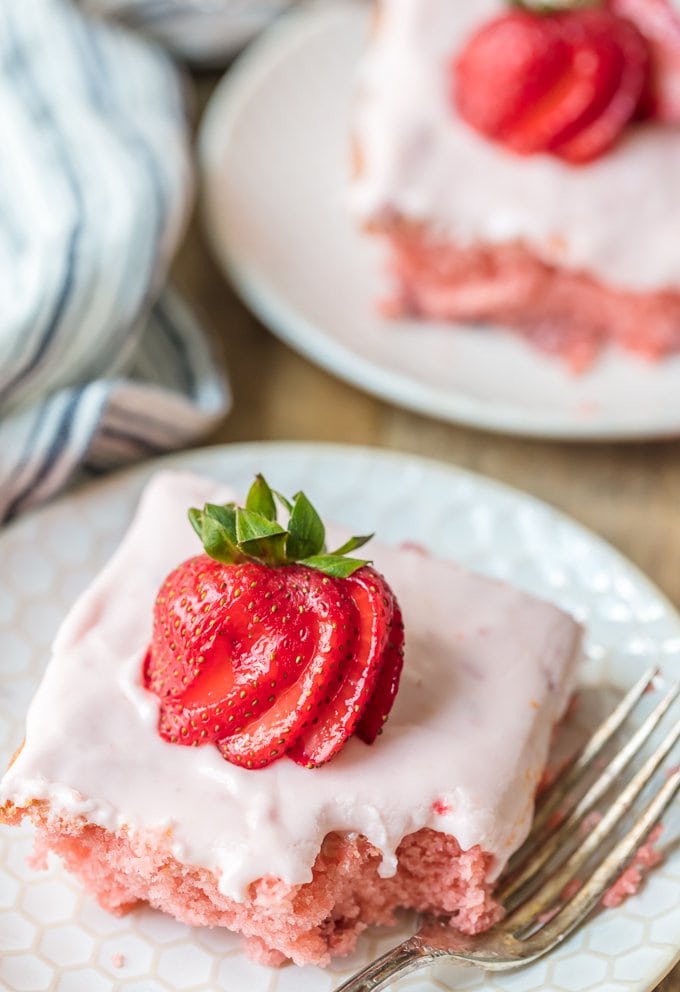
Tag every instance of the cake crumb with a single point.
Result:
(118, 960)
(627, 884)
(556, 819)
(590, 821)
(570, 889)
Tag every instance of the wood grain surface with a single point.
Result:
(627, 493)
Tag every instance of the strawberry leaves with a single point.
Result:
(551, 6)
(333, 565)
(270, 644)
(216, 527)
(260, 539)
(260, 499)
(232, 534)
(306, 532)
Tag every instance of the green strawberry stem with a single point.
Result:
(232, 533)
(553, 6)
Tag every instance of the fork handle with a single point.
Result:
(400, 961)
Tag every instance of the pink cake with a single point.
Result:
(571, 257)
(298, 860)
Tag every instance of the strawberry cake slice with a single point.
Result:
(231, 736)
(521, 162)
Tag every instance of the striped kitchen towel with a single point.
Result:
(97, 366)
(199, 30)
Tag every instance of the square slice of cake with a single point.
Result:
(571, 255)
(299, 860)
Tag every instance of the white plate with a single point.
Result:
(274, 151)
(53, 936)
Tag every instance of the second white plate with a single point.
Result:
(274, 152)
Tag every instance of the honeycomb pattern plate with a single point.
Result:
(54, 937)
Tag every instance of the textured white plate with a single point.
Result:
(53, 936)
(274, 150)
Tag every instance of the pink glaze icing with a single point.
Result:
(616, 218)
(488, 672)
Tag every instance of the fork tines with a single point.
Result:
(543, 890)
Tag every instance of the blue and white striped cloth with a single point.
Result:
(199, 30)
(99, 365)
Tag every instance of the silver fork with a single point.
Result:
(539, 913)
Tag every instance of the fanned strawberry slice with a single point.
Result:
(268, 644)
(379, 705)
(624, 60)
(591, 81)
(338, 718)
(223, 639)
(328, 643)
(507, 67)
(178, 634)
(565, 83)
(659, 22)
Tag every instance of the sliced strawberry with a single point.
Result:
(659, 22)
(339, 716)
(507, 67)
(624, 58)
(380, 703)
(268, 638)
(566, 83)
(240, 631)
(327, 647)
(170, 664)
(589, 82)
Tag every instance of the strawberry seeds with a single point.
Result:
(267, 645)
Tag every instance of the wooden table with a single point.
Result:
(627, 493)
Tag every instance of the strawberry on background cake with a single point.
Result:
(522, 163)
(289, 742)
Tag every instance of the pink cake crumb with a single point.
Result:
(570, 889)
(307, 924)
(590, 821)
(627, 884)
(118, 960)
(559, 312)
